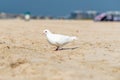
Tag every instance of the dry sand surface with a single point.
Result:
(26, 55)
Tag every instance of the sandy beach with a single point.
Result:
(25, 53)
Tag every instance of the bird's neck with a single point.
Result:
(49, 34)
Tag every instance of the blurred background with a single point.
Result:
(60, 9)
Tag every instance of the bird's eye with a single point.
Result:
(45, 31)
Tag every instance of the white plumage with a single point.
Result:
(58, 40)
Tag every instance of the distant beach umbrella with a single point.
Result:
(100, 17)
(27, 16)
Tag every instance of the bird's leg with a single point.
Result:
(57, 48)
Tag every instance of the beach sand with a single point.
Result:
(25, 53)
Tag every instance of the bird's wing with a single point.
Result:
(61, 39)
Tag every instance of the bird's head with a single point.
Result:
(46, 31)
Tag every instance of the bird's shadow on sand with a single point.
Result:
(69, 48)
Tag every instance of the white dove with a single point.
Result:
(58, 40)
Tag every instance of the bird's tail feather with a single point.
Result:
(73, 38)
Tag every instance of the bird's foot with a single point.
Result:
(58, 48)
